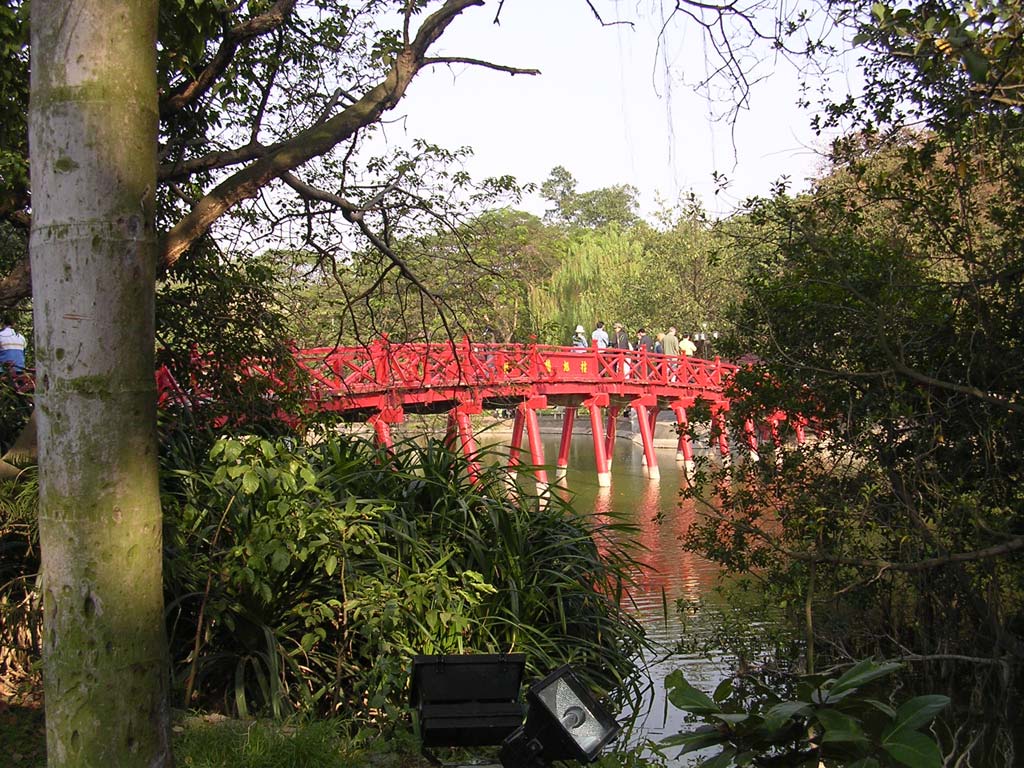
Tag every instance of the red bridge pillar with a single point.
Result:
(750, 433)
(684, 449)
(381, 423)
(645, 420)
(604, 467)
(460, 425)
(718, 411)
(609, 440)
(562, 466)
(529, 410)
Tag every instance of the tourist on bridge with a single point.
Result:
(687, 346)
(600, 336)
(644, 340)
(12, 347)
(659, 344)
(670, 344)
(579, 339)
(620, 339)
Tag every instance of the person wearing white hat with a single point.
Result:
(580, 338)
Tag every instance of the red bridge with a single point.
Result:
(382, 381)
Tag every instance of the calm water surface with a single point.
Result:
(674, 574)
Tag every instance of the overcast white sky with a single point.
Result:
(602, 108)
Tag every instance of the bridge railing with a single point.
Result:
(382, 365)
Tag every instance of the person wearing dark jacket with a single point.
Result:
(620, 339)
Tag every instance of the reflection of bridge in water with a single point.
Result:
(381, 382)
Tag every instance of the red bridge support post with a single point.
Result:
(517, 442)
(381, 423)
(644, 420)
(562, 467)
(684, 449)
(798, 427)
(773, 427)
(750, 433)
(609, 440)
(462, 413)
(718, 410)
(529, 408)
(604, 469)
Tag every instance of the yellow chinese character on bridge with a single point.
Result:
(547, 366)
(583, 366)
(565, 366)
(507, 367)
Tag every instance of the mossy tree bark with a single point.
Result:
(93, 138)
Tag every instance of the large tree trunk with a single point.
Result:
(92, 130)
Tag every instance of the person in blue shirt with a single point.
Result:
(12, 346)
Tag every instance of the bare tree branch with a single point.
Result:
(480, 63)
(315, 141)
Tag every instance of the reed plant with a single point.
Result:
(305, 575)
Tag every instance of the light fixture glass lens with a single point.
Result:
(581, 725)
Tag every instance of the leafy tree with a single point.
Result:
(589, 283)
(482, 268)
(690, 272)
(588, 210)
(888, 311)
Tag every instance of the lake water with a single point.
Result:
(673, 574)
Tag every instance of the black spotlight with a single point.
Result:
(467, 701)
(564, 722)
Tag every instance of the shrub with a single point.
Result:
(306, 576)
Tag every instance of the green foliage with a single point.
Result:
(306, 576)
(812, 720)
(595, 209)
(15, 407)
(13, 105)
(230, 743)
(20, 596)
(222, 333)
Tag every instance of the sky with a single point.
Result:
(603, 108)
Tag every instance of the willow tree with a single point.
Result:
(92, 132)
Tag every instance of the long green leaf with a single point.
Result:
(860, 674)
(917, 712)
(686, 697)
(914, 749)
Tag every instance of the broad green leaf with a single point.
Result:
(250, 482)
(280, 559)
(861, 673)
(977, 65)
(916, 712)
(913, 749)
(838, 726)
(731, 718)
(723, 691)
(782, 713)
(882, 707)
(705, 736)
(723, 759)
(330, 564)
(686, 697)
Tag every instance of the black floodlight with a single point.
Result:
(564, 722)
(467, 701)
